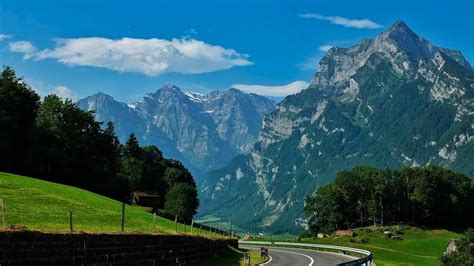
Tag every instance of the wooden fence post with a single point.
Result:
(154, 222)
(71, 228)
(246, 259)
(123, 217)
(192, 224)
(176, 222)
(3, 212)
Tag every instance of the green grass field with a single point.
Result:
(418, 247)
(45, 206)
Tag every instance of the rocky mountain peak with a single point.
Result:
(234, 90)
(98, 98)
(229, 93)
(101, 95)
(401, 27)
(415, 46)
(170, 87)
(398, 46)
(168, 91)
(405, 39)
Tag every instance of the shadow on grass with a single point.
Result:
(232, 257)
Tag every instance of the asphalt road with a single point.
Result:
(293, 257)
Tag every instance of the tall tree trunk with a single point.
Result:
(381, 211)
(407, 200)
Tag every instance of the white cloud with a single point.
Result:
(151, 57)
(346, 22)
(63, 92)
(5, 36)
(24, 47)
(277, 91)
(325, 48)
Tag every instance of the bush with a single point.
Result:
(306, 234)
(469, 235)
(464, 255)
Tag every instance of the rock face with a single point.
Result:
(203, 131)
(392, 101)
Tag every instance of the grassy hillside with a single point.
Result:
(418, 247)
(42, 205)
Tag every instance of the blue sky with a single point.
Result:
(129, 48)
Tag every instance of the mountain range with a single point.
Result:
(392, 101)
(204, 131)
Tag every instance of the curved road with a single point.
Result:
(290, 256)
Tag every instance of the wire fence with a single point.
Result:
(120, 219)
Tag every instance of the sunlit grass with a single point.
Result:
(418, 247)
(45, 206)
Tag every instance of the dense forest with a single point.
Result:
(55, 140)
(424, 196)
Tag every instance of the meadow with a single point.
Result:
(418, 247)
(41, 205)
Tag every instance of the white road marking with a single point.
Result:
(267, 261)
(295, 253)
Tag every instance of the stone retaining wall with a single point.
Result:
(36, 248)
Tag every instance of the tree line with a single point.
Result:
(55, 140)
(424, 196)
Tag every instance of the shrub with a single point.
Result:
(306, 234)
(469, 234)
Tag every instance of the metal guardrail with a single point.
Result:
(366, 260)
(255, 242)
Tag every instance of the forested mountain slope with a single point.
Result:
(392, 101)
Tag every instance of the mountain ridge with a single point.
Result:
(185, 127)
